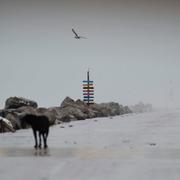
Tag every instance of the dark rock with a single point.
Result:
(74, 110)
(14, 119)
(98, 110)
(73, 113)
(112, 108)
(67, 118)
(106, 109)
(5, 125)
(67, 102)
(16, 102)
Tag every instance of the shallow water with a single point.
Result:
(91, 153)
(27, 152)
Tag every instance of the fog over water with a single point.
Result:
(132, 50)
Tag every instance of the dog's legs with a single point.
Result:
(35, 138)
(45, 140)
(40, 140)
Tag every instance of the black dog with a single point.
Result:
(40, 124)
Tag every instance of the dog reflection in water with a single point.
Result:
(41, 152)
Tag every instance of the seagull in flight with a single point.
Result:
(77, 36)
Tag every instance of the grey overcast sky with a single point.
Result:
(132, 50)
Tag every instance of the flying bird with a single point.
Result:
(77, 36)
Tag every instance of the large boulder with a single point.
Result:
(14, 119)
(67, 102)
(106, 109)
(70, 114)
(99, 110)
(112, 108)
(74, 110)
(16, 102)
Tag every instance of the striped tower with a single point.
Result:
(88, 90)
